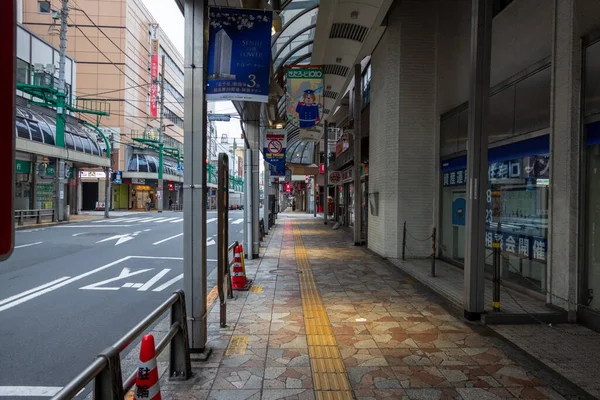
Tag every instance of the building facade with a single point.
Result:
(111, 40)
(39, 160)
(542, 196)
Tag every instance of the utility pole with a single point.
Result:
(59, 179)
(161, 132)
(108, 185)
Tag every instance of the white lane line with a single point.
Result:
(131, 219)
(155, 279)
(27, 245)
(29, 391)
(35, 289)
(238, 221)
(157, 258)
(169, 219)
(90, 226)
(208, 221)
(168, 283)
(160, 220)
(61, 284)
(169, 238)
(177, 220)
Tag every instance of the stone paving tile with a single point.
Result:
(288, 358)
(288, 378)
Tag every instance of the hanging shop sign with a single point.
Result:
(154, 70)
(239, 54)
(23, 167)
(92, 174)
(305, 96)
(348, 174)
(335, 177)
(274, 150)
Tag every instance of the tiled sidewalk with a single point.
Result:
(328, 320)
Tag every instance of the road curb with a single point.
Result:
(46, 225)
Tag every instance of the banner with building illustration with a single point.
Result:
(304, 96)
(239, 54)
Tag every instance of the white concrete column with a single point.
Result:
(565, 148)
(403, 117)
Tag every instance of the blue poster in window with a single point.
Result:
(459, 211)
(239, 54)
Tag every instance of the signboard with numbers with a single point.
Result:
(239, 54)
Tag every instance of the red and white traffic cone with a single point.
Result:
(238, 275)
(146, 381)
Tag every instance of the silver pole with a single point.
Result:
(357, 154)
(255, 193)
(477, 160)
(161, 132)
(325, 200)
(266, 191)
(248, 206)
(315, 184)
(194, 243)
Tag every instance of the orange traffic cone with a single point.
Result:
(146, 381)
(241, 251)
(238, 273)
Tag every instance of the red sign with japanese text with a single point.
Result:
(154, 86)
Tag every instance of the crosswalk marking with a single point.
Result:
(177, 220)
(238, 221)
(169, 219)
(208, 221)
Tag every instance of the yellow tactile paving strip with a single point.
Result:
(328, 371)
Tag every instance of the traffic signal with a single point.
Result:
(288, 188)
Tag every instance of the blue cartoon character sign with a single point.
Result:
(308, 110)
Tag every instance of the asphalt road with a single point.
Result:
(70, 291)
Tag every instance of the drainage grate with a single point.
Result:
(348, 31)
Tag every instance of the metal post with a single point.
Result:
(357, 154)
(433, 251)
(180, 366)
(222, 233)
(266, 198)
(325, 201)
(108, 384)
(404, 242)
(477, 160)
(315, 184)
(248, 206)
(496, 266)
(106, 192)
(194, 246)
(161, 139)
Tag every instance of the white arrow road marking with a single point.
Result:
(155, 279)
(210, 242)
(77, 234)
(63, 283)
(169, 238)
(168, 283)
(238, 221)
(27, 245)
(124, 274)
(35, 289)
(121, 238)
(29, 391)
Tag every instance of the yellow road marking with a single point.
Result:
(237, 346)
(256, 289)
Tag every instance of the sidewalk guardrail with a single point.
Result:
(106, 372)
(37, 214)
(224, 283)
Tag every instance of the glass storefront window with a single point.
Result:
(351, 204)
(516, 216)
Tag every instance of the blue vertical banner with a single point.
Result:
(239, 54)
(274, 150)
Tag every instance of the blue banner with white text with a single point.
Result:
(239, 54)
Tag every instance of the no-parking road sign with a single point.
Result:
(274, 151)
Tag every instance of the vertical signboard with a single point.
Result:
(274, 151)
(154, 70)
(239, 54)
(7, 121)
(305, 96)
